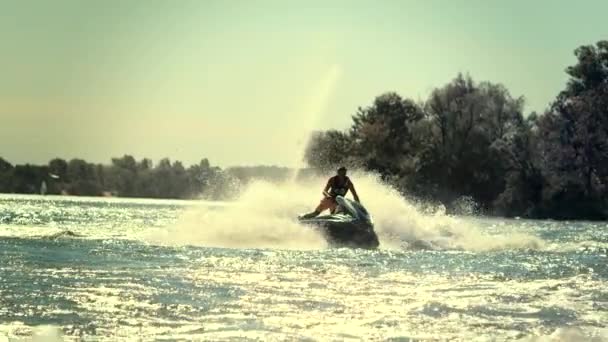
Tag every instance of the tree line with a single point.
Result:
(125, 177)
(128, 177)
(470, 141)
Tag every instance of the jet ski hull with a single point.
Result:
(348, 234)
(351, 228)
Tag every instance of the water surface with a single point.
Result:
(115, 279)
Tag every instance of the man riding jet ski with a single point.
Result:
(337, 185)
(349, 223)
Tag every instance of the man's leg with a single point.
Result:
(326, 203)
(332, 206)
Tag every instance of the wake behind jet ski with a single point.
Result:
(349, 222)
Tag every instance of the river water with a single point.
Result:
(97, 269)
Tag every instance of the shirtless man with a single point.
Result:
(337, 185)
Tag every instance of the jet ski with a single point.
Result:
(350, 226)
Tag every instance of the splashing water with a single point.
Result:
(265, 214)
(312, 113)
(263, 217)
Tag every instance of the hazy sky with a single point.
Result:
(241, 82)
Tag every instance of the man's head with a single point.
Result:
(342, 171)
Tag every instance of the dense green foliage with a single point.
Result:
(472, 141)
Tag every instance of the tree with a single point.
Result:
(472, 127)
(59, 167)
(144, 165)
(83, 177)
(198, 176)
(28, 178)
(180, 184)
(523, 179)
(330, 149)
(5, 166)
(126, 162)
(381, 133)
(6, 176)
(574, 142)
(121, 176)
(589, 73)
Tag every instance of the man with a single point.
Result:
(337, 185)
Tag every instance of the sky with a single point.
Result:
(245, 82)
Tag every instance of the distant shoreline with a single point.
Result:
(179, 201)
(126, 177)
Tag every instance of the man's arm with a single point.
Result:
(351, 187)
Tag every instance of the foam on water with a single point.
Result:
(265, 216)
(570, 334)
